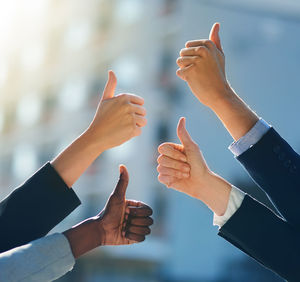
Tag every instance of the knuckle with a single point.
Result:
(182, 167)
(159, 158)
(201, 50)
(197, 60)
(179, 73)
(158, 168)
(188, 43)
(208, 43)
(122, 96)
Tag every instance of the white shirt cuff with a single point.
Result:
(236, 198)
(250, 138)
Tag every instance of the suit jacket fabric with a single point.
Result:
(255, 229)
(275, 167)
(34, 208)
(269, 239)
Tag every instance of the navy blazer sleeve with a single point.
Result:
(275, 167)
(34, 208)
(266, 237)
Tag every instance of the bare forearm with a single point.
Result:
(234, 113)
(83, 238)
(76, 158)
(215, 194)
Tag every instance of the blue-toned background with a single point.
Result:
(54, 57)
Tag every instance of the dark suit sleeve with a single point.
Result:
(34, 208)
(264, 236)
(275, 167)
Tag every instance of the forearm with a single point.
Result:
(83, 237)
(76, 158)
(234, 113)
(215, 194)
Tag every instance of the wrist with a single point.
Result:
(235, 114)
(223, 97)
(95, 144)
(83, 237)
(215, 193)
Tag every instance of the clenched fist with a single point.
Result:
(121, 222)
(202, 66)
(118, 118)
(182, 166)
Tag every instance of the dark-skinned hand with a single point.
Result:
(121, 222)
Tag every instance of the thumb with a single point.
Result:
(109, 89)
(214, 36)
(183, 135)
(122, 184)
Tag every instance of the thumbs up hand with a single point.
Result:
(117, 118)
(123, 221)
(202, 66)
(182, 166)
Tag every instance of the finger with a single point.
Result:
(186, 61)
(135, 237)
(140, 121)
(109, 89)
(140, 211)
(193, 51)
(202, 42)
(173, 172)
(122, 184)
(139, 110)
(172, 163)
(172, 150)
(183, 71)
(183, 135)
(140, 221)
(138, 230)
(134, 99)
(215, 37)
(166, 180)
(135, 203)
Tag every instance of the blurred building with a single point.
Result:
(54, 58)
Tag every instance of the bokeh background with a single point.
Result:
(54, 58)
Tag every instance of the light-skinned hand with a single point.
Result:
(118, 118)
(202, 66)
(183, 168)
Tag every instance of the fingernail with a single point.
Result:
(185, 175)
